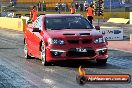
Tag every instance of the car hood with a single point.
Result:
(73, 32)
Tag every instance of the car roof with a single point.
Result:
(61, 15)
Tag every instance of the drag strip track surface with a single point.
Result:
(17, 72)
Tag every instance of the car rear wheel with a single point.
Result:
(43, 54)
(102, 62)
(26, 51)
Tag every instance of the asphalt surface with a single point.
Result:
(17, 72)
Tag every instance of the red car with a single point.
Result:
(54, 37)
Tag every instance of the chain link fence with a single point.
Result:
(6, 6)
(50, 6)
(53, 5)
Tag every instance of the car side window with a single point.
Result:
(38, 23)
(35, 23)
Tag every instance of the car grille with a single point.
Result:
(83, 41)
(73, 53)
(86, 41)
(73, 41)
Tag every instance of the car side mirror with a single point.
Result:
(36, 30)
(97, 27)
(29, 22)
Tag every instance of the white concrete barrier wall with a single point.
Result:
(12, 23)
(112, 33)
(26, 18)
(130, 17)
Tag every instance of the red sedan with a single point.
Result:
(54, 37)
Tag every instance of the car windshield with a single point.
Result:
(71, 22)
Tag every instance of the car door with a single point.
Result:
(37, 37)
(28, 36)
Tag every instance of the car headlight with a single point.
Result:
(56, 41)
(100, 40)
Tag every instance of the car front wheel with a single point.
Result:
(43, 54)
(26, 51)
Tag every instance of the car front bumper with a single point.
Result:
(90, 53)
